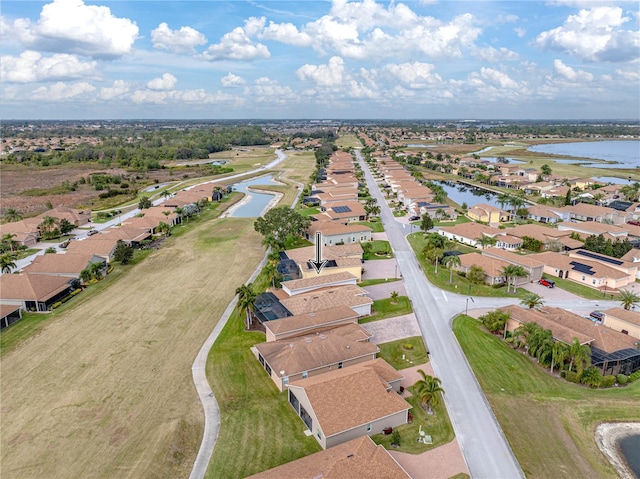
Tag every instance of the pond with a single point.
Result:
(254, 202)
(466, 194)
(612, 179)
(494, 159)
(625, 154)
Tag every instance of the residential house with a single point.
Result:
(307, 285)
(344, 404)
(358, 458)
(9, 314)
(102, 245)
(336, 234)
(488, 214)
(493, 267)
(309, 323)
(25, 233)
(72, 215)
(34, 292)
(625, 266)
(306, 356)
(353, 296)
(347, 257)
(601, 214)
(69, 265)
(344, 212)
(532, 266)
(542, 214)
(583, 271)
(624, 320)
(633, 256)
(612, 352)
(468, 233)
(588, 228)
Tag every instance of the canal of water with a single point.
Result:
(255, 202)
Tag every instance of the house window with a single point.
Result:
(593, 281)
(583, 278)
(285, 380)
(319, 433)
(368, 427)
(340, 365)
(268, 368)
(305, 374)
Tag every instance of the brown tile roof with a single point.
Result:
(347, 398)
(7, 309)
(593, 227)
(99, 244)
(514, 258)
(318, 281)
(631, 317)
(471, 230)
(539, 232)
(350, 295)
(561, 261)
(560, 331)
(31, 287)
(605, 339)
(491, 266)
(357, 459)
(302, 255)
(305, 321)
(329, 228)
(306, 353)
(63, 263)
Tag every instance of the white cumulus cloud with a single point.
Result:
(570, 74)
(178, 41)
(595, 35)
(330, 74)
(413, 75)
(230, 80)
(70, 26)
(238, 45)
(118, 90)
(62, 91)
(166, 82)
(31, 66)
(494, 55)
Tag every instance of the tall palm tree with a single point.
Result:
(559, 353)
(628, 298)
(12, 215)
(503, 199)
(522, 333)
(96, 270)
(580, 355)
(428, 390)
(271, 270)
(10, 242)
(48, 224)
(163, 228)
(532, 300)
(513, 272)
(450, 262)
(246, 301)
(7, 264)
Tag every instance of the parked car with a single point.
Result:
(549, 283)
(597, 315)
(414, 218)
(632, 222)
(92, 232)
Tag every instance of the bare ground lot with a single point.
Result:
(105, 389)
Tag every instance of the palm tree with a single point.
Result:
(628, 299)
(427, 390)
(48, 224)
(559, 353)
(163, 228)
(514, 272)
(516, 202)
(580, 354)
(532, 300)
(394, 297)
(523, 332)
(8, 240)
(7, 264)
(450, 262)
(270, 241)
(85, 275)
(246, 301)
(591, 377)
(374, 210)
(96, 270)
(440, 197)
(12, 215)
(503, 199)
(485, 241)
(271, 270)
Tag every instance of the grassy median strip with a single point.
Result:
(387, 308)
(549, 423)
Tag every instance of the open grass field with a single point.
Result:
(549, 422)
(348, 141)
(104, 389)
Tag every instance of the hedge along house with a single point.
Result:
(307, 356)
(345, 404)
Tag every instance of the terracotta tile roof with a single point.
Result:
(302, 255)
(605, 339)
(513, 257)
(319, 281)
(329, 228)
(539, 232)
(305, 321)
(20, 227)
(101, 245)
(491, 266)
(632, 317)
(356, 459)
(471, 230)
(306, 353)
(585, 209)
(347, 398)
(593, 227)
(542, 211)
(560, 261)
(127, 233)
(7, 309)
(350, 295)
(63, 263)
(560, 331)
(31, 287)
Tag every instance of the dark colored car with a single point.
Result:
(414, 218)
(547, 282)
(599, 315)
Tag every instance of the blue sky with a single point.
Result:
(80, 59)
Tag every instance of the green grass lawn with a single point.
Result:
(459, 220)
(259, 430)
(377, 249)
(392, 352)
(579, 289)
(297, 242)
(436, 425)
(549, 422)
(374, 223)
(309, 211)
(383, 308)
(459, 283)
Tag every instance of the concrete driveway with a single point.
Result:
(551, 294)
(384, 290)
(381, 269)
(392, 329)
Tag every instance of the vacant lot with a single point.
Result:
(549, 422)
(105, 389)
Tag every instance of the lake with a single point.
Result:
(494, 159)
(626, 154)
(471, 196)
(258, 201)
(612, 179)
(630, 448)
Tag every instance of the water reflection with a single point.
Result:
(255, 202)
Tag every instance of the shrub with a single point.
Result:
(622, 379)
(57, 304)
(408, 346)
(572, 377)
(395, 437)
(607, 381)
(635, 376)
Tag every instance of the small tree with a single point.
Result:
(65, 226)
(428, 390)
(495, 321)
(476, 274)
(426, 223)
(532, 300)
(144, 203)
(7, 264)
(591, 377)
(50, 250)
(394, 297)
(628, 299)
(123, 252)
